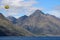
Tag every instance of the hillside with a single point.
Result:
(8, 29)
(41, 24)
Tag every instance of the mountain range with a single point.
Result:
(7, 28)
(37, 24)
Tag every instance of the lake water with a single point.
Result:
(29, 38)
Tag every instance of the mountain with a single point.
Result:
(12, 19)
(41, 24)
(20, 20)
(8, 29)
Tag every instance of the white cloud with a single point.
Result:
(18, 2)
(57, 7)
(11, 2)
(55, 13)
(18, 6)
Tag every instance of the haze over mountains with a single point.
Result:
(36, 24)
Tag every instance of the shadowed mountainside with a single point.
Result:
(12, 19)
(8, 29)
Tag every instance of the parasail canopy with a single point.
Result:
(6, 6)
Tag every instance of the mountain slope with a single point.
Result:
(42, 24)
(20, 20)
(8, 29)
(12, 19)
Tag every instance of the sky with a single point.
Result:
(18, 8)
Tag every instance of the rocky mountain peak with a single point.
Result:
(2, 16)
(37, 13)
(23, 17)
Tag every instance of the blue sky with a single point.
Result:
(27, 7)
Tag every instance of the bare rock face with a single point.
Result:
(41, 24)
(12, 19)
(21, 20)
(7, 28)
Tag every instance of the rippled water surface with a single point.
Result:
(29, 38)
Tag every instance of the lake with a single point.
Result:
(28, 38)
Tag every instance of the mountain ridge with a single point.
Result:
(8, 29)
(39, 23)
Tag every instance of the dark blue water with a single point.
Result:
(29, 38)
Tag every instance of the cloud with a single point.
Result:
(11, 2)
(57, 7)
(18, 3)
(55, 13)
(18, 7)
